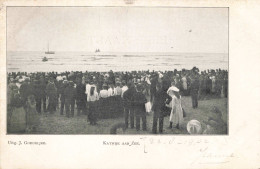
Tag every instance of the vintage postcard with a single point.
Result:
(94, 70)
(84, 82)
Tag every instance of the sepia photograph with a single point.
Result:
(117, 70)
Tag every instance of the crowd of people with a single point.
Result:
(110, 95)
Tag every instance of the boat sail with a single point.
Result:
(97, 50)
(49, 52)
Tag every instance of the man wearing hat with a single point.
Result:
(81, 96)
(194, 90)
(154, 81)
(139, 101)
(62, 97)
(25, 90)
(128, 99)
(159, 106)
(38, 93)
(51, 91)
(70, 96)
(43, 84)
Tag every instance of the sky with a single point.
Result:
(118, 29)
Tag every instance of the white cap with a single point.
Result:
(58, 78)
(173, 88)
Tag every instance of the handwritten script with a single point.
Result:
(203, 151)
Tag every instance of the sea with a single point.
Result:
(31, 61)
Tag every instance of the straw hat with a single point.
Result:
(194, 127)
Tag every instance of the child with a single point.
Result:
(176, 117)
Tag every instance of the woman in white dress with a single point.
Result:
(176, 116)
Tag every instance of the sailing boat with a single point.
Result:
(45, 59)
(49, 52)
(97, 50)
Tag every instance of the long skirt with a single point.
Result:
(104, 109)
(52, 104)
(176, 116)
(119, 109)
(32, 116)
(17, 120)
(111, 107)
(92, 115)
